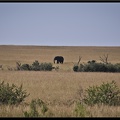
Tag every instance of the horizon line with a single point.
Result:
(61, 45)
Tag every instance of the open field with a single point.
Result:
(27, 54)
(59, 89)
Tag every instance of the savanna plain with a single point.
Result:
(57, 88)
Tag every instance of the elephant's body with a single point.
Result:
(59, 59)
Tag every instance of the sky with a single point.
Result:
(60, 24)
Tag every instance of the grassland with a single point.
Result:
(59, 89)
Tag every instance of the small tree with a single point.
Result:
(76, 66)
(79, 60)
(104, 59)
(18, 65)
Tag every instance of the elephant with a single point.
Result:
(59, 59)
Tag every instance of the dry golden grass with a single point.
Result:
(10, 54)
(57, 88)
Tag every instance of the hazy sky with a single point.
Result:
(60, 24)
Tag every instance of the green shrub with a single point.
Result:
(11, 94)
(117, 66)
(25, 67)
(46, 66)
(92, 66)
(36, 66)
(111, 67)
(92, 61)
(80, 110)
(34, 109)
(75, 68)
(107, 93)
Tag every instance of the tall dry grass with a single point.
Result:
(59, 89)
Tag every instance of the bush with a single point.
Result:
(46, 66)
(117, 66)
(80, 110)
(25, 67)
(75, 68)
(92, 66)
(36, 66)
(108, 94)
(34, 108)
(11, 94)
(111, 68)
(92, 61)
